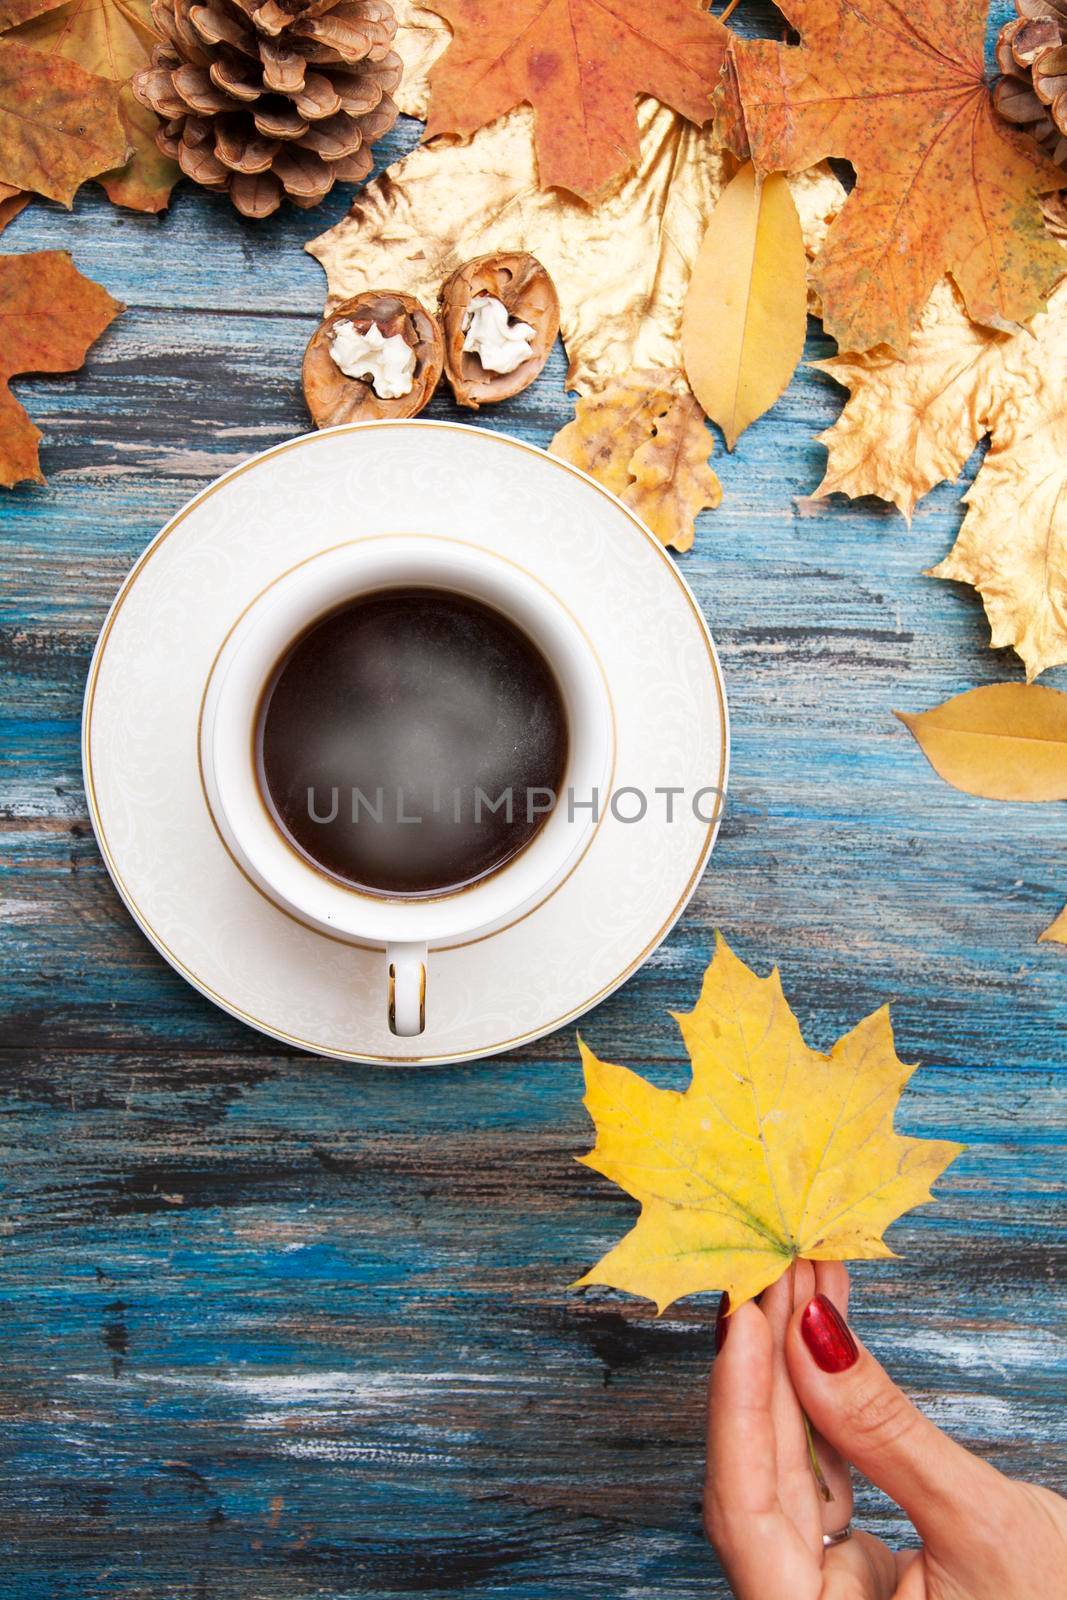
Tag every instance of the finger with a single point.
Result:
(758, 1545)
(864, 1565)
(855, 1405)
(831, 1279)
(742, 1474)
(798, 1492)
(905, 1559)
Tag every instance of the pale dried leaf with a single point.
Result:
(818, 195)
(1012, 546)
(909, 424)
(422, 37)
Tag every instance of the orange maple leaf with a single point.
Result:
(111, 39)
(942, 183)
(12, 201)
(580, 64)
(49, 316)
(58, 123)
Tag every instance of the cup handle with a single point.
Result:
(406, 965)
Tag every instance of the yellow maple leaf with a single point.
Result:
(910, 423)
(774, 1152)
(643, 437)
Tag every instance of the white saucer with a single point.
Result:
(156, 649)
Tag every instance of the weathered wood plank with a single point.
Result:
(280, 1328)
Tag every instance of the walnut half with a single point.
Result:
(521, 284)
(332, 396)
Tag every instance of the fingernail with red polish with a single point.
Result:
(722, 1323)
(827, 1335)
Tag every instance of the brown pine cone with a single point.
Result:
(275, 98)
(1032, 55)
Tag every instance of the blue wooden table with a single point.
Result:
(276, 1327)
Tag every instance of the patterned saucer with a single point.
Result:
(146, 684)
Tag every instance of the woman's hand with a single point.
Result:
(984, 1536)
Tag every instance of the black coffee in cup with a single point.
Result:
(411, 742)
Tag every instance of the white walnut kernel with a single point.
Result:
(500, 344)
(387, 363)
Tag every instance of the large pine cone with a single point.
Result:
(283, 96)
(1032, 55)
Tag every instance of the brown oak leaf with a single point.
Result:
(112, 39)
(422, 37)
(643, 437)
(910, 423)
(59, 124)
(580, 64)
(943, 185)
(49, 316)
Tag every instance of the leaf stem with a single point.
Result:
(817, 1473)
(816, 1470)
(730, 9)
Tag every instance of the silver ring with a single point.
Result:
(842, 1534)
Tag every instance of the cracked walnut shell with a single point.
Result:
(524, 288)
(332, 397)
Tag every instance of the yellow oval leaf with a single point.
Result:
(746, 309)
(1007, 741)
(1056, 932)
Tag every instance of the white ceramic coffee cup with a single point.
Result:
(406, 928)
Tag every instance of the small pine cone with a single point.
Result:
(1032, 55)
(266, 98)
